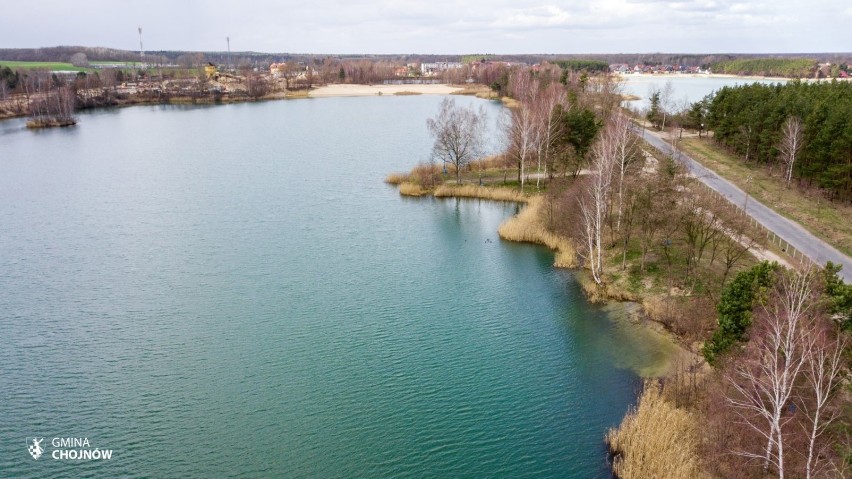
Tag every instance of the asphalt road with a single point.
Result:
(791, 232)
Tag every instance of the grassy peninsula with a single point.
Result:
(641, 229)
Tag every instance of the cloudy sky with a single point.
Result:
(435, 26)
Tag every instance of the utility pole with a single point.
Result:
(745, 204)
(141, 50)
(228, 39)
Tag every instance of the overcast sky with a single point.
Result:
(435, 26)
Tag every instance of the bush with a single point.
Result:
(735, 307)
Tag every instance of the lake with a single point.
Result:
(686, 88)
(233, 291)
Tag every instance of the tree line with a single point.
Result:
(756, 121)
(782, 67)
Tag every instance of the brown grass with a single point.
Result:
(474, 191)
(594, 292)
(829, 221)
(406, 92)
(510, 102)
(528, 227)
(411, 189)
(655, 440)
(396, 178)
(489, 163)
(480, 91)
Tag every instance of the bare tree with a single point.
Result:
(823, 376)
(791, 144)
(79, 60)
(546, 102)
(779, 351)
(625, 152)
(736, 242)
(458, 133)
(701, 225)
(666, 99)
(594, 204)
(523, 128)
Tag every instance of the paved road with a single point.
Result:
(814, 248)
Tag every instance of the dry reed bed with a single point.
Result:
(396, 178)
(655, 440)
(474, 191)
(411, 189)
(527, 227)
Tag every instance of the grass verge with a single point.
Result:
(828, 221)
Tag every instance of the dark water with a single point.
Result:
(233, 292)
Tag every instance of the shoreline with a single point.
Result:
(629, 314)
(625, 76)
(354, 89)
(326, 91)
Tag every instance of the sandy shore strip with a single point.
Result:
(370, 90)
(703, 75)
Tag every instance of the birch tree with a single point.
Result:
(823, 376)
(458, 133)
(791, 145)
(778, 353)
(523, 128)
(594, 204)
(547, 101)
(666, 99)
(624, 142)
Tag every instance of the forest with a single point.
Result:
(780, 67)
(753, 120)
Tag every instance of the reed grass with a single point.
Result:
(528, 227)
(396, 178)
(655, 440)
(510, 102)
(411, 189)
(485, 193)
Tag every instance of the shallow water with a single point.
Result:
(233, 291)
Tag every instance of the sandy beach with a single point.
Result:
(369, 90)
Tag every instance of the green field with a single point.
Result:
(52, 66)
(115, 62)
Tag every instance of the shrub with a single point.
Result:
(735, 307)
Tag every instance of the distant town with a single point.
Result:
(53, 82)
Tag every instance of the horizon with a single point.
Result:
(344, 53)
(387, 27)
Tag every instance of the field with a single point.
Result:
(52, 66)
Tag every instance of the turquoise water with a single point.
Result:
(232, 291)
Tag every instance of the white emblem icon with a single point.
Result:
(35, 448)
